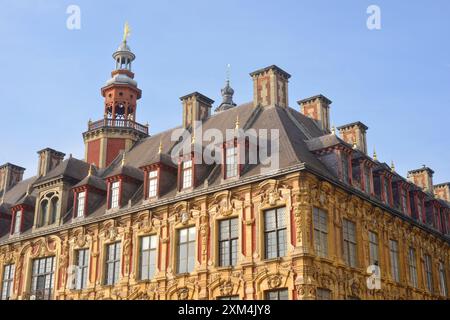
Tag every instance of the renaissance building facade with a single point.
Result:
(129, 222)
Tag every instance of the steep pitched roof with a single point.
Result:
(69, 168)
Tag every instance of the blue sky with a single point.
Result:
(396, 80)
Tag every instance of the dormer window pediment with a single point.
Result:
(158, 178)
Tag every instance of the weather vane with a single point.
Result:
(126, 32)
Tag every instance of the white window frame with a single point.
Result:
(320, 224)
(17, 221)
(187, 171)
(350, 243)
(81, 204)
(115, 194)
(149, 247)
(7, 281)
(395, 260)
(153, 184)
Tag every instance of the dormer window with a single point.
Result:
(420, 209)
(345, 167)
(187, 174)
(81, 204)
(367, 182)
(231, 162)
(17, 222)
(405, 200)
(153, 184)
(386, 190)
(115, 193)
(48, 209)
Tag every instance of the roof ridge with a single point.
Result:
(299, 125)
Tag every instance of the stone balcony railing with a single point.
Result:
(118, 123)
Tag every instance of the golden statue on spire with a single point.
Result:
(126, 32)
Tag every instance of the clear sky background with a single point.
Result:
(395, 80)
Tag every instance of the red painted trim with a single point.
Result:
(120, 191)
(108, 195)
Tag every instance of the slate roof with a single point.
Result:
(299, 136)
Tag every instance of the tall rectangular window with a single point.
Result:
(412, 264)
(386, 190)
(367, 179)
(186, 250)
(17, 221)
(442, 279)
(8, 281)
(374, 255)
(228, 242)
(323, 294)
(81, 204)
(153, 184)
(420, 209)
(282, 294)
(320, 221)
(82, 266)
(148, 257)
(42, 278)
(428, 272)
(231, 161)
(350, 246)
(187, 174)
(115, 192)
(344, 164)
(404, 200)
(275, 233)
(395, 267)
(112, 266)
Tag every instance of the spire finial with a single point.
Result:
(392, 166)
(237, 122)
(123, 159)
(91, 167)
(333, 130)
(228, 73)
(126, 32)
(29, 189)
(160, 147)
(375, 158)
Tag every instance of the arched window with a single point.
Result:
(43, 213)
(48, 209)
(53, 210)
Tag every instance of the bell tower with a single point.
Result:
(118, 130)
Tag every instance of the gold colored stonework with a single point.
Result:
(301, 271)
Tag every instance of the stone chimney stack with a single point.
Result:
(10, 175)
(317, 108)
(196, 107)
(48, 160)
(355, 133)
(422, 178)
(270, 87)
(442, 191)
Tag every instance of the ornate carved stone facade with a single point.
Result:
(301, 271)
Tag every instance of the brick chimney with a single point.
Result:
(48, 160)
(355, 133)
(196, 107)
(442, 191)
(270, 87)
(422, 178)
(317, 108)
(10, 175)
